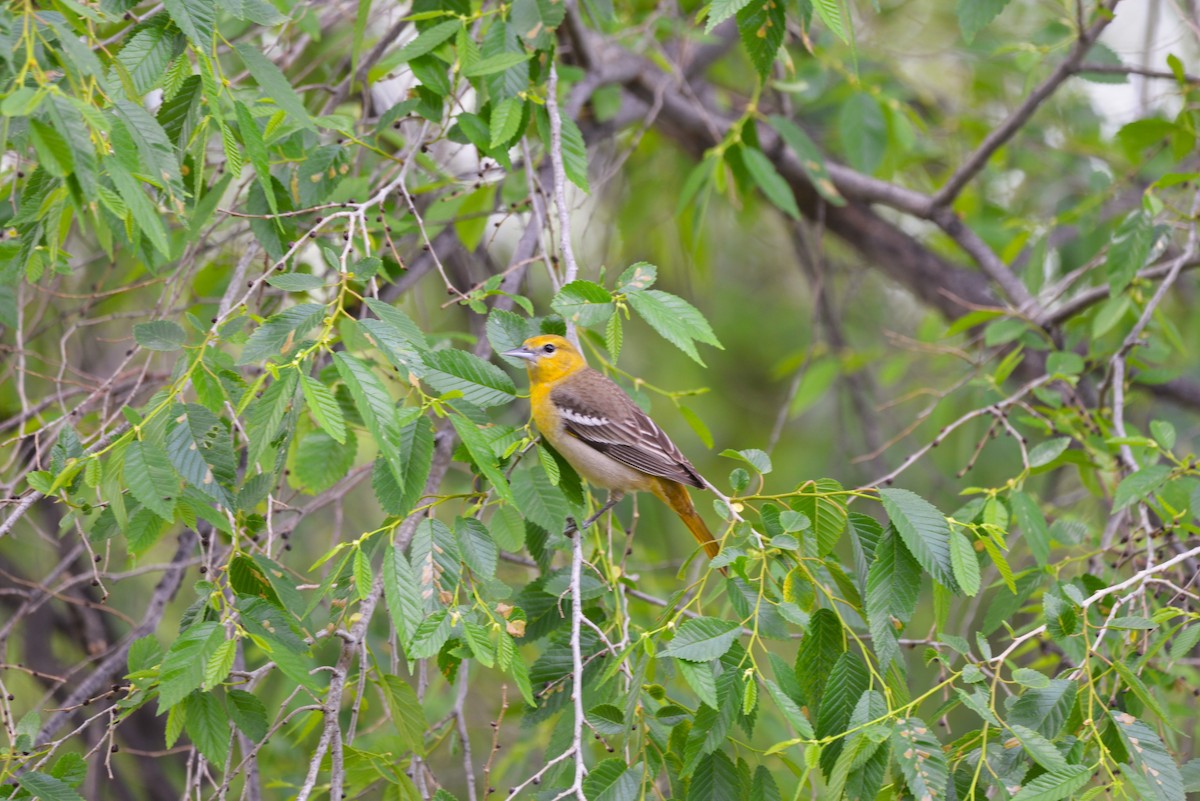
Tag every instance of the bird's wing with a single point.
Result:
(599, 413)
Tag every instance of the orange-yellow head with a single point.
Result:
(550, 358)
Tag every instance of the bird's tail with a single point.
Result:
(676, 495)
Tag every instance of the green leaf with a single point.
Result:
(483, 456)
(148, 52)
(862, 132)
(1132, 244)
(183, 665)
(1033, 526)
(965, 563)
(607, 719)
(257, 11)
(374, 404)
(481, 383)
(1044, 710)
(538, 500)
(150, 479)
(160, 335)
(721, 10)
(505, 122)
(924, 530)
(828, 514)
(296, 282)
(676, 320)
(415, 452)
(574, 151)
(478, 549)
(273, 82)
(584, 303)
(1138, 486)
(53, 152)
(1046, 452)
(48, 788)
(426, 41)
(1027, 677)
(810, 157)
(324, 407)
(820, 649)
(281, 333)
(145, 214)
(196, 18)
(1042, 750)
(703, 639)
(320, 461)
(848, 680)
(974, 15)
(770, 181)
(497, 63)
(791, 710)
(715, 779)
(207, 726)
(833, 15)
(400, 590)
(920, 757)
(1055, 786)
(761, 25)
(893, 584)
(248, 713)
(219, 664)
(407, 714)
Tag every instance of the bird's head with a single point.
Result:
(549, 357)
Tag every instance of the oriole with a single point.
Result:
(603, 434)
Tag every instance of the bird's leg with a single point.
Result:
(614, 497)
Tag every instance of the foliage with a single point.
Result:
(260, 259)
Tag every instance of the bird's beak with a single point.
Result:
(520, 353)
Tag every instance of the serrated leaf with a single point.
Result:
(920, 757)
(761, 25)
(428, 39)
(207, 726)
(1139, 485)
(715, 779)
(505, 121)
(810, 157)
(1055, 786)
(893, 584)
(676, 320)
(183, 665)
(721, 10)
(324, 407)
(974, 15)
(481, 383)
(150, 479)
(1040, 749)
(248, 713)
(965, 563)
(196, 18)
(497, 63)
(703, 639)
(273, 83)
(848, 680)
(584, 303)
(1033, 526)
(483, 456)
(48, 788)
(819, 650)
(160, 335)
(478, 549)
(281, 333)
(924, 530)
(768, 179)
(296, 282)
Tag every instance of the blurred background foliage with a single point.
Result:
(862, 308)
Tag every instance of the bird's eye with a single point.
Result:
(548, 349)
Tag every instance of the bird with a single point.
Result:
(605, 436)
